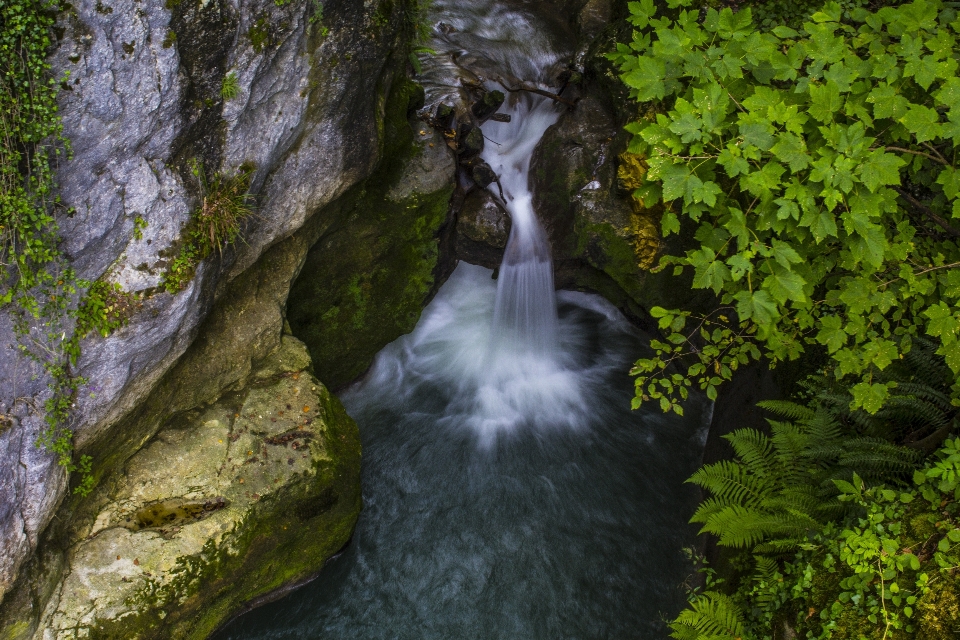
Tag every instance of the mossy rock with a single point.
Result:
(370, 273)
(219, 509)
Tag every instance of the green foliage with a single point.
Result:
(769, 15)
(230, 88)
(316, 16)
(37, 287)
(104, 309)
(818, 165)
(711, 615)
(831, 518)
(259, 34)
(30, 137)
(139, 224)
(224, 204)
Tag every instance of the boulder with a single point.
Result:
(483, 227)
(483, 174)
(602, 238)
(222, 507)
(471, 141)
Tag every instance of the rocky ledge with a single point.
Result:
(222, 507)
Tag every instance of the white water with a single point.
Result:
(525, 315)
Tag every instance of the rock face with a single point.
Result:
(145, 101)
(602, 238)
(212, 512)
(370, 273)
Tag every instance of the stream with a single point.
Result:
(509, 491)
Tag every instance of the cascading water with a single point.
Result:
(509, 491)
(525, 313)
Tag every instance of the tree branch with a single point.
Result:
(919, 206)
(918, 153)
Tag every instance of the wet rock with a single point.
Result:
(416, 100)
(471, 141)
(589, 218)
(444, 115)
(483, 174)
(594, 17)
(368, 275)
(483, 227)
(208, 515)
(487, 105)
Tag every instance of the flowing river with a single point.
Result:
(509, 490)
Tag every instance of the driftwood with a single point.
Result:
(524, 86)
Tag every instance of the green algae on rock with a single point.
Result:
(232, 503)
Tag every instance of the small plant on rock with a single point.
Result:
(231, 87)
(224, 204)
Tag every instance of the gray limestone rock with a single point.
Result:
(143, 99)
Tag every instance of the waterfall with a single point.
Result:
(509, 491)
(525, 313)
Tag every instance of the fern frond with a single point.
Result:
(712, 616)
(877, 462)
(787, 409)
(743, 528)
(731, 482)
(924, 391)
(754, 449)
(789, 443)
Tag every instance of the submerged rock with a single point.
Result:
(227, 505)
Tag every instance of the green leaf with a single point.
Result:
(784, 284)
(822, 223)
(869, 396)
(832, 334)
(825, 101)
(647, 79)
(710, 273)
(757, 306)
(922, 122)
(949, 94)
(880, 169)
(733, 164)
(785, 254)
(887, 103)
(785, 32)
(791, 150)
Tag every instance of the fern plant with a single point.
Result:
(711, 616)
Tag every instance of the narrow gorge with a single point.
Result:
(223, 470)
(479, 319)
